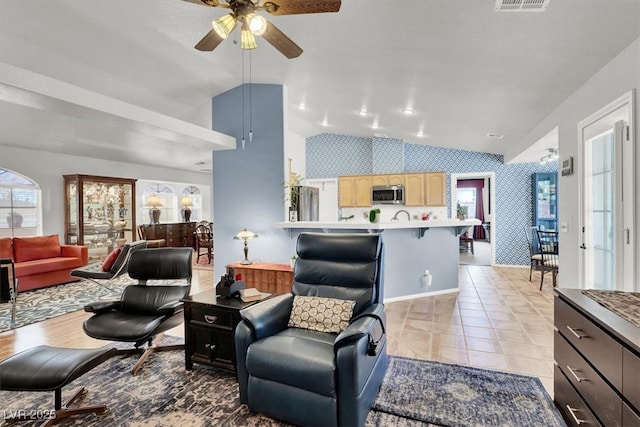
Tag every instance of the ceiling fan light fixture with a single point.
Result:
(247, 39)
(257, 24)
(224, 25)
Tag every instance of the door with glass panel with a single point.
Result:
(607, 202)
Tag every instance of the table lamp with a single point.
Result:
(154, 212)
(186, 204)
(245, 235)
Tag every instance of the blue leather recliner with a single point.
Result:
(308, 377)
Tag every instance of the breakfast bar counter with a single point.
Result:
(410, 249)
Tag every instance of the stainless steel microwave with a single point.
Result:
(387, 195)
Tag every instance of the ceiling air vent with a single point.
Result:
(521, 5)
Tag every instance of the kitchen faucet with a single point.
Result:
(395, 217)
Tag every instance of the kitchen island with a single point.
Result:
(410, 248)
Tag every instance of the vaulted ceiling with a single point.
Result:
(464, 69)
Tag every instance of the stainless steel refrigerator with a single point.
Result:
(308, 203)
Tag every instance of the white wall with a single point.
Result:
(615, 79)
(47, 169)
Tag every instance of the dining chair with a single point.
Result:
(548, 244)
(204, 241)
(535, 258)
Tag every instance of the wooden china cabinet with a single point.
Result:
(99, 212)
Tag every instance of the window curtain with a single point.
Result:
(478, 184)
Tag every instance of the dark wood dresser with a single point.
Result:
(597, 363)
(179, 234)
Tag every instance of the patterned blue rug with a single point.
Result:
(41, 304)
(414, 393)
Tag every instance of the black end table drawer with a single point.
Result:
(212, 317)
(591, 341)
(573, 409)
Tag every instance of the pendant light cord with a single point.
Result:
(242, 103)
(250, 102)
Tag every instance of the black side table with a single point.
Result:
(9, 287)
(210, 322)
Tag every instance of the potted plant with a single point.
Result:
(292, 260)
(461, 211)
(14, 219)
(374, 215)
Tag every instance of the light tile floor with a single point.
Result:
(498, 320)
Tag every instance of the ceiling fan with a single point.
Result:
(245, 13)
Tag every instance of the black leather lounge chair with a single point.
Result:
(120, 266)
(144, 312)
(308, 377)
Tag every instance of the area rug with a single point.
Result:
(41, 304)
(414, 393)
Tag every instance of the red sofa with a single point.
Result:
(42, 261)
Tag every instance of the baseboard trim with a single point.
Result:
(421, 295)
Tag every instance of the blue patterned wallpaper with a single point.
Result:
(334, 155)
(330, 155)
(388, 155)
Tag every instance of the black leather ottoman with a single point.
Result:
(45, 368)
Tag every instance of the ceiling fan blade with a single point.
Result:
(280, 41)
(209, 42)
(212, 3)
(294, 7)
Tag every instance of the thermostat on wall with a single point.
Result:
(567, 166)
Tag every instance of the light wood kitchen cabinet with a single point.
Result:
(425, 189)
(414, 189)
(397, 179)
(354, 191)
(420, 189)
(435, 189)
(363, 190)
(378, 180)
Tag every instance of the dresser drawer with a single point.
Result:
(212, 317)
(601, 398)
(595, 344)
(631, 378)
(629, 418)
(572, 407)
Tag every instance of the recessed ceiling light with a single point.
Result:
(495, 135)
(421, 134)
(324, 123)
(301, 106)
(409, 111)
(362, 112)
(375, 125)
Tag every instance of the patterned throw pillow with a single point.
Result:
(321, 314)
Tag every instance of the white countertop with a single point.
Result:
(352, 225)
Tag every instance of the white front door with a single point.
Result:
(608, 198)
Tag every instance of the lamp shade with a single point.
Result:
(257, 24)
(247, 39)
(186, 201)
(245, 234)
(154, 201)
(224, 25)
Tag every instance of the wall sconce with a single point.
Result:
(186, 204)
(154, 212)
(245, 235)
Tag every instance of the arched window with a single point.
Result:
(20, 205)
(167, 202)
(192, 195)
